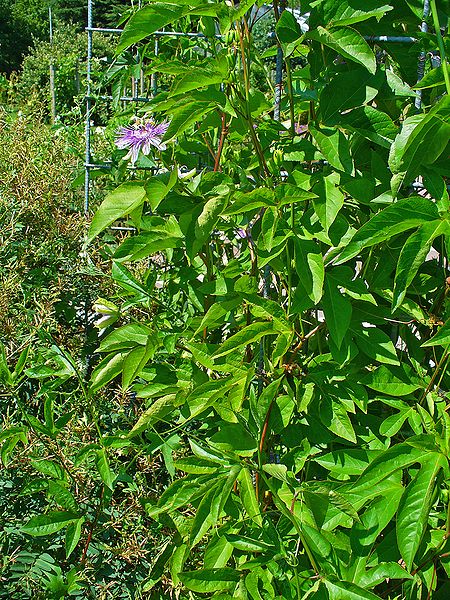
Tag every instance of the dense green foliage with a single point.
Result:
(265, 415)
(67, 54)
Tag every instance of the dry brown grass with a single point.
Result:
(41, 222)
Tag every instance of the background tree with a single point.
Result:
(22, 22)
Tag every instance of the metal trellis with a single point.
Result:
(90, 29)
(137, 96)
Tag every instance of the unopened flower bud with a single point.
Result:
(109, 313)
(278, 157)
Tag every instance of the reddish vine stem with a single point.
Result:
(430, 591)
(261, 444)
(248, 115)
(92, 527)
(302, 341)
(435, 557)
(223, 135)
(208, 145)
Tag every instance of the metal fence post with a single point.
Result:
(52, 69)
(423, 55)
(88, 111)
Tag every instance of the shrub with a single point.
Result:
(41, 226)
(67, 54)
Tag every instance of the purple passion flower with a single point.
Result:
(300, 129)
(140, 137)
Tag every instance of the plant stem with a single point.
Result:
(293, 519)
(248, 115)
(442, 361)
(92, 527)
(440, 42)
(223, 135)
(278, 7)
(287, 62)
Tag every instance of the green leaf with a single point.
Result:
(396, 218)
(50, 523)
(158, 186)
(211, 506)
(269, 227)
(335, 417)
(233, 437)
(195, 466)
(288, 31)
(415, 505)
(388, 462)
(186, 114)
(344, 590)
(104, 470)
(206, 222)
(208, 454)
(269, 309)
(317, 543)
(107, 369)
(8, 448)
(394, 423)
(412, 256)
(310, 269)
(348, 12)
(135, 361)
(433, 78)
(337, 309)
(49, 413)
(397, 85)
(376, 344)
(48, 467)
(5, 373)
(349, 461)
(442, 337)
(61, 495)
(379, 574)
(122, 201)
(245, 202)
(203, 517)
(247, 335)
(212, 73)
(370, 123)
(147, 20)
(126, 337)
(348, 43)
(264, 401)
(335, 148)
(157, 411)
(205, 395)
(73, 534)
(347, 90)
(248, 496)
(181, 492)
(247, 544)
(140, 246)
(217, 313)
(218, 552)
(377, 515)
(210, 580)
(394, 381)
(421, 141)
(21, 361)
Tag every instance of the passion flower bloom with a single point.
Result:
(300, 129)
(141, 136)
